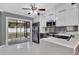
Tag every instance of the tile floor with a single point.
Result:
(30, 48)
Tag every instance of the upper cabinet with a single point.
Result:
(60, 19)
(67, 17)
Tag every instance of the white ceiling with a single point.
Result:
(17, 7)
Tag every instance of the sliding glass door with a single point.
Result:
(18, 31)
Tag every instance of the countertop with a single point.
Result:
(71, 44)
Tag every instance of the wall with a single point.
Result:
(1, 28)
(78, 18)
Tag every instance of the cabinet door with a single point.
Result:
(60, 19)
(71, 17)
(68, 17)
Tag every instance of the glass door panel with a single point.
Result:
(18, 30)
(22, 30)
(11, 30)
(27, 30)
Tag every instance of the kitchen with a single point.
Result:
(54, 30)
(61, 26)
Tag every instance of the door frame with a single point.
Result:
(8, 18)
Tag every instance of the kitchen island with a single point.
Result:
(71, 44)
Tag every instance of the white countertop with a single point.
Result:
(71, 44)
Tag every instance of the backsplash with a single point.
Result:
(71, 28)
(66, 29)
(59, 29)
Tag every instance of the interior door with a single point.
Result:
(35, 32)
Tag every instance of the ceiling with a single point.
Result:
(17, 7)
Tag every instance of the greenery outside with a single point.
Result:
(17, 25)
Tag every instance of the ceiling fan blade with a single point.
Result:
(26, 8)
(33, 7)
(42, 9)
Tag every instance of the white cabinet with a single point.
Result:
(71, 16)
(67, 18)
(60, 19)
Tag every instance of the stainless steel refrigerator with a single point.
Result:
(35, 32)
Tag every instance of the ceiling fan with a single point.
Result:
(34, 9)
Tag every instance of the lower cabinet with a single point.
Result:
(43, 35)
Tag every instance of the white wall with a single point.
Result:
(1, 28)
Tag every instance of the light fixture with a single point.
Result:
(34, 12)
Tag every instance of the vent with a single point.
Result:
(42, 9)
(73, 3)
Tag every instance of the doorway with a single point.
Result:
(19, 31)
